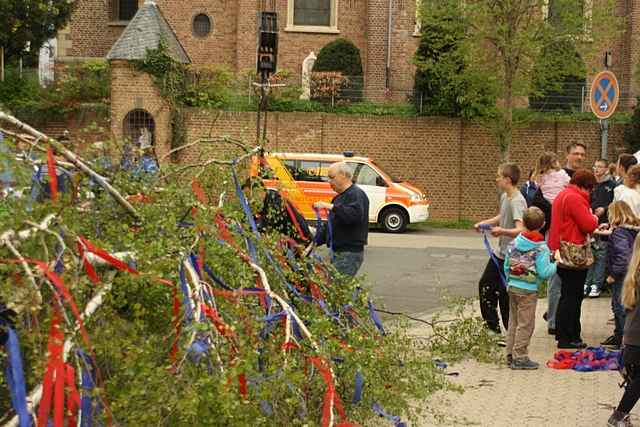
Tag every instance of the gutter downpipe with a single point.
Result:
(388, 68)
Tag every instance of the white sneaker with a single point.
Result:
(595, 292)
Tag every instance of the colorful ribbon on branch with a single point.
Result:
(53, 177)
(485, 228)
(397, 422)
(58, 377)
(15, 379)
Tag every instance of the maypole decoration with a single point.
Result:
(153, 317)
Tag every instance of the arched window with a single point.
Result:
(123, 10)
(139, 127)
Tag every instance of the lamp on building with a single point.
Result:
(267, 43)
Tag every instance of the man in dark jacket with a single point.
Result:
(601, 198)
(348, 221)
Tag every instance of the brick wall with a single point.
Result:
(454, 161)
(92, 32)
(131, 90)
(219, 47)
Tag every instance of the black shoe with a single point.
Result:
(613, 341)
(551, 331)
(572, 344)
(544, 316)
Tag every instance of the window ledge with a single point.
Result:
(118, 23)
(311, 29)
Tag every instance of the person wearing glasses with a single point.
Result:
(601, 198)
(348, 218)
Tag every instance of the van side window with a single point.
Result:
(366, 175)
(324, 171)
(291, 167)
(309, 170)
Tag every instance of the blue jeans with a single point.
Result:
(595, 275)
(617, 308)
(553, 299)
(347, 263)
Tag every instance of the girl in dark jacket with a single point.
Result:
(631, 342)
(624, 225)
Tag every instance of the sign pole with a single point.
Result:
(604, 138)
(604, 124)
(604, 98)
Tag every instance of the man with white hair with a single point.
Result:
(348, 218)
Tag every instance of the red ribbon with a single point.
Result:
(199, 192)
(294, 220)
(122, 266)
(91, 272)
(53, 177)
(331, 396)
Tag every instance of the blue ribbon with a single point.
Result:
(329, 231)
(375, 318)
(357, 392)
(484, 228)
(247, 212)
(393, 418)
(15, 379)
(89, 379)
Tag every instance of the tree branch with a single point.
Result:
(73, 158)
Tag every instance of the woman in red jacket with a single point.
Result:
(572, 221)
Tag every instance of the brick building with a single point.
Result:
(224, 32)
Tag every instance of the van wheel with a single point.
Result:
(394, 220)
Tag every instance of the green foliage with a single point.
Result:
(559, 79)
(441, 86)
(339, 55)
(461, 332)
(208, 87)
(632, 131)
(171, 79)
(132, 331)
(77, 86)
(503, 42)
(88, 82)
(31, 22)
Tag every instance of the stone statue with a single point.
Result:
(307, 68)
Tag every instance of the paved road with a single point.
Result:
(409, 272)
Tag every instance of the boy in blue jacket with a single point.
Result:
(527, 264)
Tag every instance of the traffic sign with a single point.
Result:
(605, 94)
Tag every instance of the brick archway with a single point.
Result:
(135, 126)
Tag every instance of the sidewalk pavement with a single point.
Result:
(497, 396)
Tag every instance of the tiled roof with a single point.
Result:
(143, 33)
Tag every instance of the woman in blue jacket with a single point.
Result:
(624, 225)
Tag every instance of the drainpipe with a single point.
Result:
(388, 68)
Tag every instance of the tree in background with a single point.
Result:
(503, 41)
(342, 56)
(30, 23)
(632, 131)
(441, 87)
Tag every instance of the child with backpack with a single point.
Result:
(624, 226)
(527, 264)
(631, 342)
